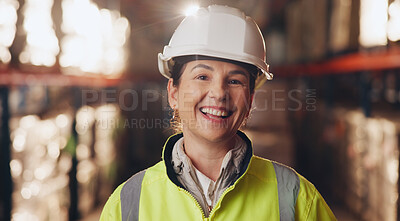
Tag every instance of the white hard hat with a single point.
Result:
(222, 32)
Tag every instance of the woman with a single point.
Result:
(214, 61)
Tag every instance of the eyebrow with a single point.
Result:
(212, 69)
(239, 72)
(203, 66)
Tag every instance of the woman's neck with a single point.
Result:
(207, 156)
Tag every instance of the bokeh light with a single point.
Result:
(394, 21)
(41, 46)
(94, 38)
(191, 10)
(373, 23)
(8, 20)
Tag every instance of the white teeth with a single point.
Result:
(214, 112)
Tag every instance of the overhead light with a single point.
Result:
(394, 21)
(191, 10)
(373, 23)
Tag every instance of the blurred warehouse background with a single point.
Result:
(83, 106)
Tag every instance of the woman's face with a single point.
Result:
(213, 98)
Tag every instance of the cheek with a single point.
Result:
(242, 101)
(188, 98)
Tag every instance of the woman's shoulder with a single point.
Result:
(270, 170)
(276, 170)
(148, 175)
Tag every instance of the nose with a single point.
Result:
(218, 91)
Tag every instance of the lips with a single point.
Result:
(215, 112)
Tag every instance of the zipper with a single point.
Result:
(210, 208)
(203, 216)
(218, 204)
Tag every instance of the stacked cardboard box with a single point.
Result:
(371, 179)
(40, 167)
(45, 152)
(317, 28)
(362, 169)
(307, 29)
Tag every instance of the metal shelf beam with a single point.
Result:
(15, 78)
(361, 61)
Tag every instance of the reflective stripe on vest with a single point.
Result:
(288, 184)
(288, 190)
(130, 197)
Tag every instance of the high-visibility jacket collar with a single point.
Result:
(167, 156)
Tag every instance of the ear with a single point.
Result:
(172, 94)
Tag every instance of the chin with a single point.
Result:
(216, 135)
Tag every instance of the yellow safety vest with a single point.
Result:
(265, 190)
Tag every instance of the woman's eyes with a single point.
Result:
(202, 77)
(233, 81)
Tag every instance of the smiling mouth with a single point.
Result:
(215, 113)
